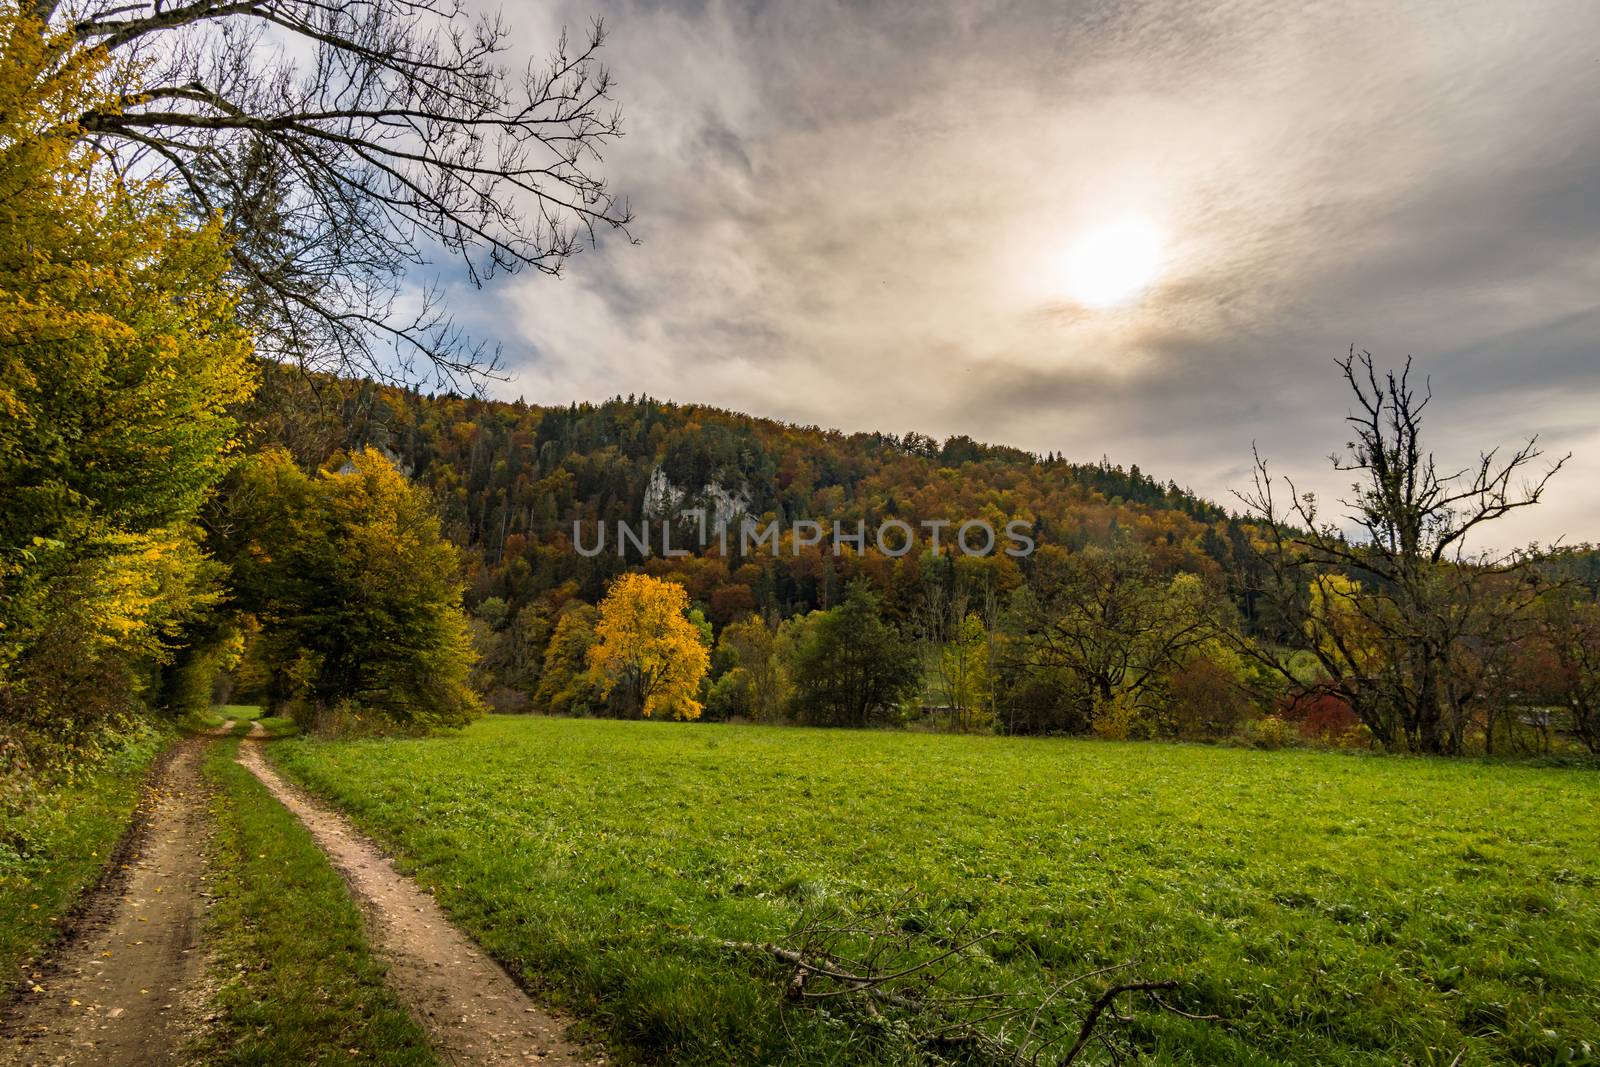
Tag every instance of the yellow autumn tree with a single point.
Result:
(120, 360)
(646, 648)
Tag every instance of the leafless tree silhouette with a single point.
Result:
(1414, 639)
(349, 142)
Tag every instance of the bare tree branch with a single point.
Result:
(885, 962)
(1403, 618)
(349, 145)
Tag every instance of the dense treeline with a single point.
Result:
(120, 362)
(144, 545)
(1142, 612)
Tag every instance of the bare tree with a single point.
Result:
(1406, 618)
(346, 143)
(940, 613)
(989, 595)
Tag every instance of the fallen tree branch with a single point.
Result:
(1102, 1003)
(803, 966)
(883, 966)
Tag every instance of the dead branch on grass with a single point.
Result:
(892, 965)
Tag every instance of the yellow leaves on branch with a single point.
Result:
(646, 644)
(145, 585)
(390, 528)
(48, 80)
(120, 359)
(1340, 625)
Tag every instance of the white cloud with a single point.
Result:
(854, 215)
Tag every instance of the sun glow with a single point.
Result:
(1115, 263)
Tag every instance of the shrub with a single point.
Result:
(729, 697)
(1270, 731)
(1324, 718)
(1120, 718)
(1205, 700)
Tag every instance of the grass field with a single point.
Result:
(295, 980)
(1331, 909)
(278, 726)
(244, 712)
(59, 845)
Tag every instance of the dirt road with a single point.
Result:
(128, 987)
(473, 1012)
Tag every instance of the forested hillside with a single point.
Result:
(511, 479)
(1135, 610)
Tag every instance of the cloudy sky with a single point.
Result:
(866, 216)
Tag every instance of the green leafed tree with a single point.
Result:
(850, 666)
(120, 363)
(1108, 630)
(751, 648)
(356, 589)
(964, 672)
(566, 685)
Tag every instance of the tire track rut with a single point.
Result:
(472, 1009)
(128, 988)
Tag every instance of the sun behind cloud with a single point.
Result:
(1115, 263)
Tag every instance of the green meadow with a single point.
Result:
(1326, 908)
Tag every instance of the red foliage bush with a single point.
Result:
(1321, 718)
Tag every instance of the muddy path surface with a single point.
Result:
(128, 986)
(473, 1011)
